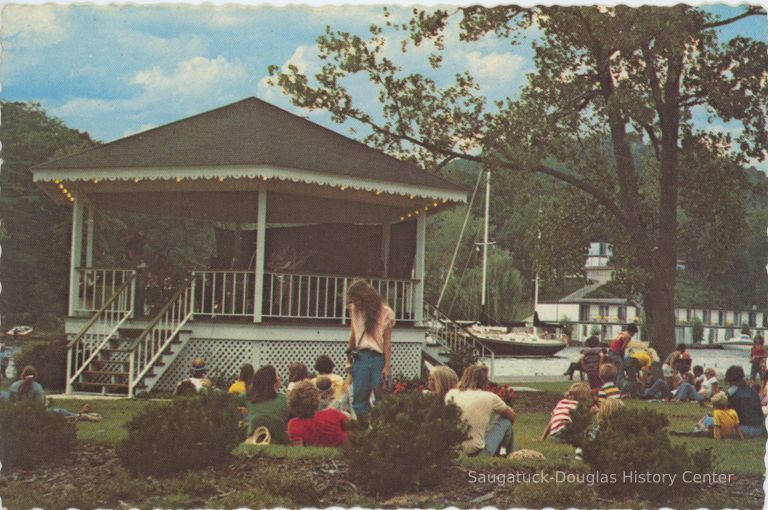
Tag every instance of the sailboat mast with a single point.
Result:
(485, 237)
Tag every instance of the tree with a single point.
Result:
(35, 231)
(618, 74)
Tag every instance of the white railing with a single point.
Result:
(225, 293)
(96, 286)
(99, 330)
(451, 335)
(317, 296)
(150, 345)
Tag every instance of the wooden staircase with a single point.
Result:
(120, 360)
(448, 336)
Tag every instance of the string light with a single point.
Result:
(178, 179)
(411, 197)
(136, 179)
(402, 218)
(409, 215)
(342, 187)
(434, 204)
(61, 186)
(378, 193)
(221, 179)
(56, 181)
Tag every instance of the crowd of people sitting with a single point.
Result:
(614, 372)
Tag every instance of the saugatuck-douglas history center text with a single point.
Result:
(597, 477)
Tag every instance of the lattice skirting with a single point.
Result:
(226, 356)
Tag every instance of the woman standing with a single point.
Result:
(370, 344)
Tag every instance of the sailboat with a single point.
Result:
(509, 339)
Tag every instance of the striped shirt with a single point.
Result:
(561, 415)
(609, 390)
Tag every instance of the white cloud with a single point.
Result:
(494, 65)
(187, 88)
(33, 25)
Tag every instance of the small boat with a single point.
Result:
(742, 342)
(20, 331)
(510, 341)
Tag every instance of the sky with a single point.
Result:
(115, 70)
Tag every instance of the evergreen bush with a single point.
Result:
(461, 358)
(634, 441)
(697, 330)
(413, 439)
(189, 433)
(30, 435)
(50, 360)
(576, 432)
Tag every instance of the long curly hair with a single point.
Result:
(262, 386)
(304, 400)
(475, 377)
(368, 301)
(28, 376)
(445, 379)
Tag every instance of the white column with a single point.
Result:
(421, 238)
(261, 235)
(386, 233)
(90, 222)
(75, 252)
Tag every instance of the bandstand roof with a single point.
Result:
(239, 147)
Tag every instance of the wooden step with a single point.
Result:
(102, 385)
(104, 372)
(110, 361)
(116, 350)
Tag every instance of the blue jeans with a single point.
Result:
(752, 430)
(617, 360)
(498, 434)
(658, 389)
(366, 377)
(686, 391)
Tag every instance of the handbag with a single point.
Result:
(260, 436)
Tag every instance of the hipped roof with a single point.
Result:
(246, 133)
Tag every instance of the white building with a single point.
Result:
(594, 311)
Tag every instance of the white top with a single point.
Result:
(477, 409)
(706, 386)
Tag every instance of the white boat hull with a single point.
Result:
(736, 346)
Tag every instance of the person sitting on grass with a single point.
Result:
(198, 377)
(266, 406)
(725, 421)
(324, 366)
(442, 380)
(745, 401)
(606, 408)
(327, 394)
(698, 376)
(311, 426)
(578, 393)
(489, 418)
(27, 388)
(245, 376)
(709, 385)
(607, 377)
(297, 372)
(686, 391)
(674, 361)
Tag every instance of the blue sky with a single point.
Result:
(116, 70)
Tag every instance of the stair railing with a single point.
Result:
(149, 346)
(99, 330)
(452, 335)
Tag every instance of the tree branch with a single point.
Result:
(654, 140)
(574, 181)
(752, 11)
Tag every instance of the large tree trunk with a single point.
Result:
(659, 306)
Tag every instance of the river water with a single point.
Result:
(719, 359)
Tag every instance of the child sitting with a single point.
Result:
(607, 376)
(311, 426)
(327, 393)
(723, 423)
(578, 393)
(297, 372)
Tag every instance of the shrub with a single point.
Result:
(697, 329)
(634, 441)
(461, 358)
(50, 360)
(413, 439)
(745, 329)
(576, 432)
(189, 433)
(30, 435)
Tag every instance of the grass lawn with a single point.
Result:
(731, 456)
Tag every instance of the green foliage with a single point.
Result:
(30, 435)
(50, 360)
(697, 329)
(576, 433)
(463, 293)
(635, 440)
(551, 495)
(189, 433)
(35, 233)
(566, 324)
(745, 329)
(413, 439)
(462, 357)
